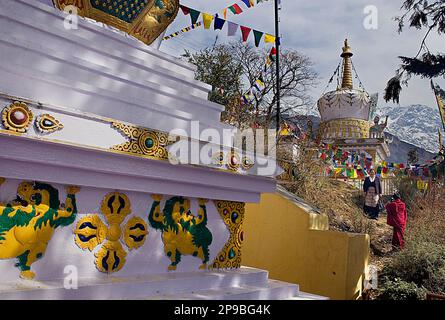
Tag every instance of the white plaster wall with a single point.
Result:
(95, 69)
(149, 259)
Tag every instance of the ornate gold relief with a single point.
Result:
(233, 215)
(92, 232)
(17, 117)
(144, 142)
(46, 123)
(143, 19)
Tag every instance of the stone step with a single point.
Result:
(272, 290)
(138, 287)
(307, 296)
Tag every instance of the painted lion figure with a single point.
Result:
(27, 224)
(182, 232)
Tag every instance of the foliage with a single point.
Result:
(307, 181)
(421, 263)
(407, 188)
(216, 67)
(232, 70)
(421, 14)
(401, 290)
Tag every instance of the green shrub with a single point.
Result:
(401, 290)
(421, 263)
(408, 191)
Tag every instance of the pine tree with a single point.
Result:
(421, 14)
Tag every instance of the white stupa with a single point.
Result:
(346, 113)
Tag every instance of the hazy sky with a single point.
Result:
(317, 28)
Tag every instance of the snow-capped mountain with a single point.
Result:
(415, 124)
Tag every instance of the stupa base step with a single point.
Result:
(243, 284)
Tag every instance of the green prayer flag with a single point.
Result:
(194, 14)
(258, 35)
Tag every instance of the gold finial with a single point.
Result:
(347, 67)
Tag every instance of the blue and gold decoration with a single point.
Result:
(142, 142)
(46, 123)
(182, 232)
(92, 232)
(143, 19)
(233, 215)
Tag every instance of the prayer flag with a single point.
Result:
(269, 38)
(232, 28)
(236, 9)
(247, 3)
(208, 18)
(258, 35)
(219, 23)
(246, 32)
(194, 15)
(185, 10)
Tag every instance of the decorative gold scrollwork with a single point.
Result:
(143, 142)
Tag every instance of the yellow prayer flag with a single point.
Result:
(225, 14)
(269, 38)
(285, 130)
(208, 18)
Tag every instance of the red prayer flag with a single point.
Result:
(185, 10)
(246, 31)
(236, 9)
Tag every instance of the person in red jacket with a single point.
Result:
(397, 217)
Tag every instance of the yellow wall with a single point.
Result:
(293, 243)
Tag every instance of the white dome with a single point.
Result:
(345, 104)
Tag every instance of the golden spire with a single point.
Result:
(347, 67)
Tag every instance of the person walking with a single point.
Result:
(397, 218)
(372, 192)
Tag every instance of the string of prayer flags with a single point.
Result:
(184, 30)
(232, 28)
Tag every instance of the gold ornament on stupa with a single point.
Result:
(142, 19)
(347, 67)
